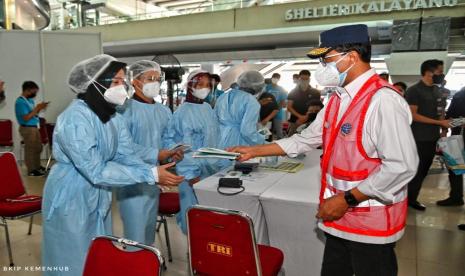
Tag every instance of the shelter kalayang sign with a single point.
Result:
(366, 8)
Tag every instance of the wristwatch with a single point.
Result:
(350, 199)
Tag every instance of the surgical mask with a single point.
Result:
(303, 84)
(274, 81)
(151, 89)
(32, 96)
(438, 79)
(329, 75)
(116, 95)
(201, 93)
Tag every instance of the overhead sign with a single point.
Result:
(366, 8)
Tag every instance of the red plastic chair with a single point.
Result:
(6, 134)
(105, 259)
(222, 242)
(14, 202)
(168, 206)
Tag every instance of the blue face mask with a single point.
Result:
(343, 75)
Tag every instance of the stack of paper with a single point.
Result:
(290, 167)
(182, 147)
(215, 153)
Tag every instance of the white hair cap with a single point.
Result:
(83, 74)
(142, 66)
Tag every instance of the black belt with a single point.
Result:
(29, 126)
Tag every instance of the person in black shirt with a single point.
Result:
(315, 107)
(299, 100)
(456, 110)
(268, 109)
(425, 101)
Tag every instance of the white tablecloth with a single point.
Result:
(247, 201)
(290, 207)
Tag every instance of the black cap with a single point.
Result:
(339, 36)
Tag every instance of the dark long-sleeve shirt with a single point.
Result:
(457, 109)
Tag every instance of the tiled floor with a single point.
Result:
(432, 245)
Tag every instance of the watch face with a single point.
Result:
(350, 199)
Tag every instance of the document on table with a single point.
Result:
(215, 153)
(290, 167)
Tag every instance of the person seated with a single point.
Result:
(268, 110)
(315, 106)
(401, 86)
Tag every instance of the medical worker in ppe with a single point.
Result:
(94, 152)
(147, 122)
(194, 123)
(238, 112)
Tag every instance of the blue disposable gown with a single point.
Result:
(91, 158)
(195, 125)
(238, 114)
(138, 204)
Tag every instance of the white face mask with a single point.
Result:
(329, 75)
(201, 93)
(116, 95)
(274, 81)
(304, 85)
(151, 89)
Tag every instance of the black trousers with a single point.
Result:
(456, 186)
(346, 258)
(426, 152)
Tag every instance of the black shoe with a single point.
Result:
(461, 227)
(417, 206)
(450, 202)
(36, 173)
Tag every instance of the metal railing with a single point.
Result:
(201, 8)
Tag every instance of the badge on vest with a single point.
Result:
(346, 129)
(326, 125)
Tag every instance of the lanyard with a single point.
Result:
(31, 106)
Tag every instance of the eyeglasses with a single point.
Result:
(151, 79)
(323, 59)
(114, 80)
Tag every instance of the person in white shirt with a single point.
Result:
(369, 157)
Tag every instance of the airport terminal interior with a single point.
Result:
(132, 132)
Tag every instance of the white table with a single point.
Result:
(247, 201)
(290, 207)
